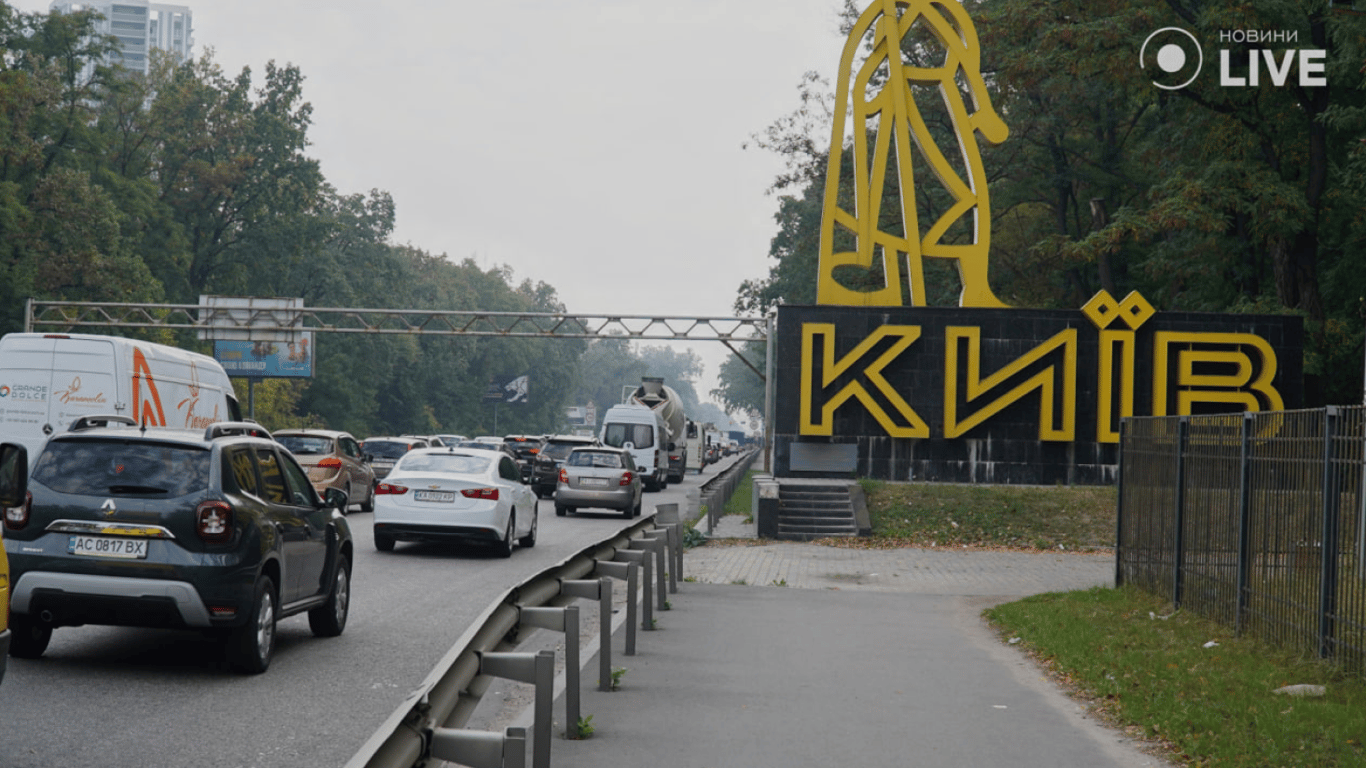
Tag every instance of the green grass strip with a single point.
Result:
(1149, 668)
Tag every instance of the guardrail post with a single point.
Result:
(658, 546)
(539, 670)
(480, 749)
(647, 619)
(602, 591)
(629, 572)
(564, 620)
(674, 541)
(666, 515)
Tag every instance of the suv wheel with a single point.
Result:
(28, 637)
(250, 645)
(369, 504)
(329, 619)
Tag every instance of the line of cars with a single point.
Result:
(230, 529)
(190, 517)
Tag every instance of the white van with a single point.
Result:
(641, 431)
(48, 380)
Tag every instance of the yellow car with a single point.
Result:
(13, 493)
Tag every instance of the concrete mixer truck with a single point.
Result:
(663, 400)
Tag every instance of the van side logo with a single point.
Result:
(148, 412)
(71, 395)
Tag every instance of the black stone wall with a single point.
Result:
(1006, 448)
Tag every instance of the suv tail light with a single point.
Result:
(480, 493)
(331, 462)
(625, 478)
(384, 489)
(213, 521)
(564, 476)
(17, 517)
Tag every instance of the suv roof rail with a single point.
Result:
(102, 420)
(226, 428)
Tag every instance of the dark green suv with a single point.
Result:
(217, 530)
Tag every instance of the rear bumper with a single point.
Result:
(611, 499)
(419, 532)
(72, 599)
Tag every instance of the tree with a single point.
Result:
(230, 165)
(740, 387)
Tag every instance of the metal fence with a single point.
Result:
(1255, 520)
(718, 490)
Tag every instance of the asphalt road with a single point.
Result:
(107, 697)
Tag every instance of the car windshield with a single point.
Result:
(618, 434)
(102, 467)
(299, 445)
(385, 449)
(445, 462)
(594, 459)
(558, 450)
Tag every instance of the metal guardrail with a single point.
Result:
(718, 490)
(1255, 520)
(428, 725)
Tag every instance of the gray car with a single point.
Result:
(598, 476)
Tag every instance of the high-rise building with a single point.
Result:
(140, 26)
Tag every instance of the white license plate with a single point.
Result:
(446, 496)
(105, 546)
(593, 481)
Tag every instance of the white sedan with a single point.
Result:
(445, 494)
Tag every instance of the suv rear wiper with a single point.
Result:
(137, 489)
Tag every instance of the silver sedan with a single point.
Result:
(599, 476)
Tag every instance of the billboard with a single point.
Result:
(267, 359)
(508, 389)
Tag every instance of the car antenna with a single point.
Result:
(144, 425)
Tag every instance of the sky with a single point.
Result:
(594, 145)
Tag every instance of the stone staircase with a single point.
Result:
(814, 510)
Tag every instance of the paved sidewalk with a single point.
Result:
(738, 557)
(783, 654)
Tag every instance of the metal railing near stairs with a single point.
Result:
(429, 725)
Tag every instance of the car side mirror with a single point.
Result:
(13, 474)
(335, 498)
